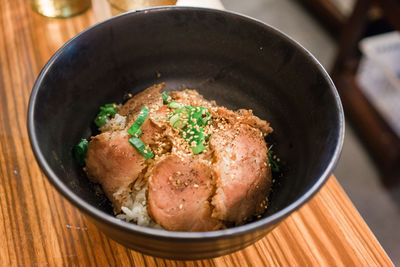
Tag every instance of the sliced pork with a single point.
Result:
(226, 184)
(179, 192)
(241, 173)
(112, 162)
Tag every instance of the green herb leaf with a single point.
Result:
(80, 151)
(165, 97)
(141, 147)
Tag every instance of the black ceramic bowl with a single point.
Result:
(235, 60)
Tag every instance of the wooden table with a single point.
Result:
(39, 227)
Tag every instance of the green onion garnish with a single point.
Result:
(198, 149)
(100, 119)
(140, 146)
(135, 131)
(165, 97)
(80, 150)
(190, 121)
(105, 111)
(174, 119)
(110, 109)
(135, 128)
(174, 105)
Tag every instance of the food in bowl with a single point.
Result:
(179, 162)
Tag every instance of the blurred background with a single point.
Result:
(366, 72)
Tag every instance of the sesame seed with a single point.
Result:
(196, 185)
(180, 206)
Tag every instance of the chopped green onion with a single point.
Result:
(138, 133)
(179, 124)
(174, 105)
(105, 111)
(135, 128)
(140, 146)
(176, 122)
(174, 119)
(100, 119)
(165, 97)
(135, 131)
(109, 109)
(142, 115)
(80, 151)
(198, 149)
(189, 120)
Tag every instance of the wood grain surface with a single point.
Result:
(39, 227)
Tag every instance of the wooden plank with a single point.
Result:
(39, 227)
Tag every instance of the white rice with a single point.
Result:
(135, 209)
(118, 122)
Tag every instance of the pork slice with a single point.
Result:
(247, 117)
(243, 177)
(191, 97)
(114, 163)
(150, 97)
(243, 116)
(178, 194)
(151, 131)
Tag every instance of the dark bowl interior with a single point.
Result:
(237, 61)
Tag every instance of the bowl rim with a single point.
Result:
(112, 221)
